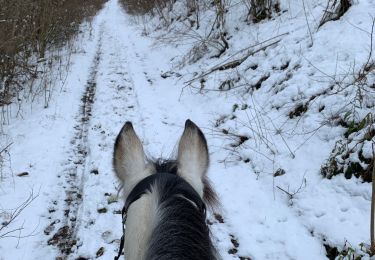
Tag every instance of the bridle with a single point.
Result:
(140, 189)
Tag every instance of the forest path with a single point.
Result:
(79, 225)
(128, 84)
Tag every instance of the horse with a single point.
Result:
(166, 200)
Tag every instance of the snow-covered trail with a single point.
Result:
(117, 79)
(93, 225)
(87, 222)
(129, 88)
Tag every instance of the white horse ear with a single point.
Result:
(129, 160)
(192, 156)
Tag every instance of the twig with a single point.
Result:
(6, 148)
(371, 45)
(14, 215)
(291, 195)
(307, 22)
(286, 192)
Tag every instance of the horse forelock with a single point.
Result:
(171, 166)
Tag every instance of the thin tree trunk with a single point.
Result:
(372, 248)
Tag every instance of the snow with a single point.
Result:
(285, 217)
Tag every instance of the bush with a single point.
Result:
(352, 155)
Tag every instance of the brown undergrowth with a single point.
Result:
(29, 31)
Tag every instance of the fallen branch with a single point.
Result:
(235, 63)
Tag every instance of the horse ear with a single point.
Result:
(129, 160)
(192, 156)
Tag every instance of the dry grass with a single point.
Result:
(259, 10)
(141, 7)
(334, 10)
(28, 30)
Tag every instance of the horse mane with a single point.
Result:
(181, 231)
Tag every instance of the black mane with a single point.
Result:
(181, 232)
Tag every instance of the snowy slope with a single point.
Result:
(117, 76)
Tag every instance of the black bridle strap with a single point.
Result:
(123, 213)
(140, 189)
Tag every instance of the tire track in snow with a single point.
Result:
(79, 227)
(65, 238)
(116, 102)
